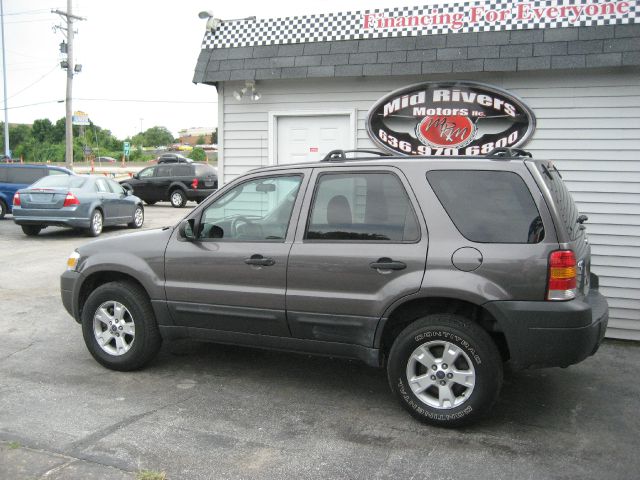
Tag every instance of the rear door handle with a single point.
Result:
(386, 263)
(259, 260)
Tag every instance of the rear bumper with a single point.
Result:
(199, 193)
(552, 334)
(38, 218)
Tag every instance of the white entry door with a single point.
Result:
(308, 138)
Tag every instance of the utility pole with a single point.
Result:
(7, 150)
(68, 17)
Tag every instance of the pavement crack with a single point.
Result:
(18, 351)
(48, 473)
(78, 446)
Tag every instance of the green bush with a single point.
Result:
(198, 155)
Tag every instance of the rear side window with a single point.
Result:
(562, 198)
(25, 175)
(205, 170)
(488, 206)
(182, 170)
(53, 171)
(362, 207)
(164, 170)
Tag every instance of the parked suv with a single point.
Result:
(14, 176)
(439, 269)
(176, 182)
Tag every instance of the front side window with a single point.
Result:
(115, 187)
(146, 173)
(488, 206)
(257, 210)
(362, 207)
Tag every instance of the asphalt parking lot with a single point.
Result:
(203, 411)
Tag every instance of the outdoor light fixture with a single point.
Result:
(250, 88)
(77, 68)
(64, 64)
(213, 23)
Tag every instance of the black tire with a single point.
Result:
(137, 222)
(3, 209)
(177, 198)
(147, 340)
(475, 352)
(31, 230)
(150, 202)
(95, 225)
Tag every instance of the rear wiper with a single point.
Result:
(546, 171)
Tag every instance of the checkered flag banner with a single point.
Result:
(475, 16)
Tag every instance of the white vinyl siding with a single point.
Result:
(588, 123)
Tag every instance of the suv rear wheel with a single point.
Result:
(445, 370)
(3, 209)
(119, 326)
(178, 198)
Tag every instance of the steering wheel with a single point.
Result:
(237, 223)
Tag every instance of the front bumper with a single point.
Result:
(552, 334)
(69, 292)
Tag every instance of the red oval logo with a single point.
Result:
(448, 131)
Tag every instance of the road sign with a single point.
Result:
(127, 148)
(80, 118)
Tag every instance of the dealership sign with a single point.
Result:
(449, 118)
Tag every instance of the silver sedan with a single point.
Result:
(76, 201)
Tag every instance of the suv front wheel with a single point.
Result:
(119, 326)
(445, 370)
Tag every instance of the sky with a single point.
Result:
(137, 57)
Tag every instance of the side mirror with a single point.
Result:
(128, 192)
(186, 229)
(135, 175)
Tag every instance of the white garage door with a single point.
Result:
(309, 138)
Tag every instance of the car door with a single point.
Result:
(141, 183)
(108, 200)
(159, 187)
(232, 276)
(360, 245)
(124, 206)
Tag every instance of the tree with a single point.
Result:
(42, 130)
(156, 136)
(201, 140)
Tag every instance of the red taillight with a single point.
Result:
(194, 184)
(563, 275)
(16, 200)
(71, 200)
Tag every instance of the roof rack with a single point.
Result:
(341, 155)
(508, 153)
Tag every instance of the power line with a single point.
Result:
(34, 104)
(142, 101)
(26, 12)
(32, 84)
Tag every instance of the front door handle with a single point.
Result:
(259, 260)
(386, 263)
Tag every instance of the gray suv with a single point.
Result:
(439, 269)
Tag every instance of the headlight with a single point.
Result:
(72, 261)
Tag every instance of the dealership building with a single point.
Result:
(292, 89)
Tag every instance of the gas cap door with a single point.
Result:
(466, 259)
